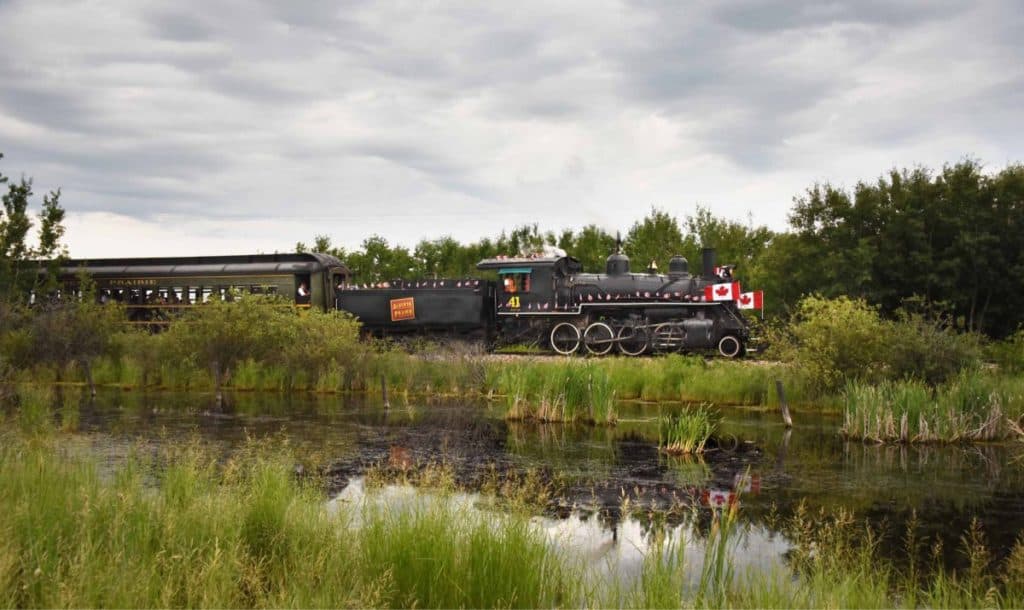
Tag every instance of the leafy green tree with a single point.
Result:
(18, 275)
(735, 243)
(655, 239)
(951, 238)
(378, 261)
(441, 257)
(591, 246)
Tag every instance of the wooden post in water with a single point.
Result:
(783, 406)
(384, 391)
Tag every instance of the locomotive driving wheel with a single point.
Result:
(668, 336)
(565, 338)
(633, 339)
(599, 338)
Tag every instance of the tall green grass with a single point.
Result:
(975, 406)
(687, 432)
(557, 393)
(246, 533)
(694, 379)
(187, 528)
(835, 562)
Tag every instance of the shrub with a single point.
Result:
(832, 340)
(930, 350)
(1009, 354)
(219, 335)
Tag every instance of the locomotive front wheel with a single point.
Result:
(730, 347)
(599, 338)
(565, 338)
(633, 340)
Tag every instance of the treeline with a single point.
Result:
(948, 243)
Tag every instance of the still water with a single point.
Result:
(768, 471)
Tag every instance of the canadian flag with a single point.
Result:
(722, 292)
(751, 300)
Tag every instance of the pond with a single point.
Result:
(759, 465)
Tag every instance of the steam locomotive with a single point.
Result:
(545, 300)
(550, 301)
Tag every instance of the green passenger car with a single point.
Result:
(153, 290)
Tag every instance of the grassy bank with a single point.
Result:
(909, 380)
(184, 529)
(246, 534)
(973, 407)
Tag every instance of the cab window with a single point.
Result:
(514, 283)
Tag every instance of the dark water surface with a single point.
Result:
(770, 472)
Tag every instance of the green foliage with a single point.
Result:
(591, 245)
(246, 534)
(929, 349)
(832, 341)
(18, 275)
(74, 331)
(35, 408)
(687, 432)
(220, 334)
(557, 393)
(318, 342)
(1009, 354)
(654, 239)
(951, 237)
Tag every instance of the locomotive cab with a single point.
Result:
(525, 285)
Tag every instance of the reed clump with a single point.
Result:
(569, 392)
(974, 407)
(688, 432)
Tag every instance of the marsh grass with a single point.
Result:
(687, 433)
(35, 407)
(834, 562)
(191, 528)
(974, 407)
(551, 390)
(569, 392)
(246, 533)
(677, 378)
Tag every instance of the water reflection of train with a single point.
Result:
(548, 300)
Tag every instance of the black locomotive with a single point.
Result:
(552, 302)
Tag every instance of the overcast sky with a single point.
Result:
(231, 127)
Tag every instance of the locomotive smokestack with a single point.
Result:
(709, 263)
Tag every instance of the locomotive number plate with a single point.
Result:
(403, 309)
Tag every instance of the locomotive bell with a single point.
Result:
(678, 267)
(617, 264)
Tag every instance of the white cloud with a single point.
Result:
(246, 127)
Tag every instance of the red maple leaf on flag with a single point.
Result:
(722, 291)
(745, 299)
